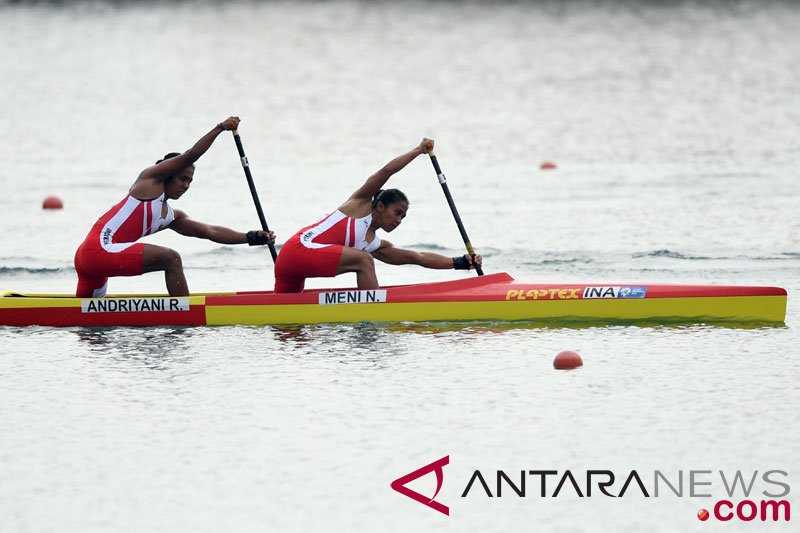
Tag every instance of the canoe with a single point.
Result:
(494, 297)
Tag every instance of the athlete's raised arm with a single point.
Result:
(360, 202)
(168, 167)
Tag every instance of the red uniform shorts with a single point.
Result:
(94, 266)
(297, 262)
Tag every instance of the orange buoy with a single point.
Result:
(567, 360)
(52, 202)
(547, 165)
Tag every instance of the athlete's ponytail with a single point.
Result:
(389, 196)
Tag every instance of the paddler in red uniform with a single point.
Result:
(346, 240)
(111, 247)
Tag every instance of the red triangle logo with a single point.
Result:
(437, 466)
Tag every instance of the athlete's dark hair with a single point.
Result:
(170, 156)
(389, 196)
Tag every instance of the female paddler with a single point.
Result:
(111, 247)
(346, 240)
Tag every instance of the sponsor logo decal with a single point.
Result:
(352, 297)
(437, 466)
(556, 293)
(133, 305)
(590, 293)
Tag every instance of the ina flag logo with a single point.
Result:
(437, 466)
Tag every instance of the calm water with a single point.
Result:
(676, 129)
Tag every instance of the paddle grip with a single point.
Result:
(253, 192)
(454, 210)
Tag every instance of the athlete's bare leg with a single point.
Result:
(157, 258)
(362, 264)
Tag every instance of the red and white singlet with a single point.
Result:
(314, 251)
(110, 249)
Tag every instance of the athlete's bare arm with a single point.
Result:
(193, 228)
(148, 183)
(388, 253)
(360, 202)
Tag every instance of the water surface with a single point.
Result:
(675, 128)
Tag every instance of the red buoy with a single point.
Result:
(52, 202)
(567, 360)
(547, 165)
